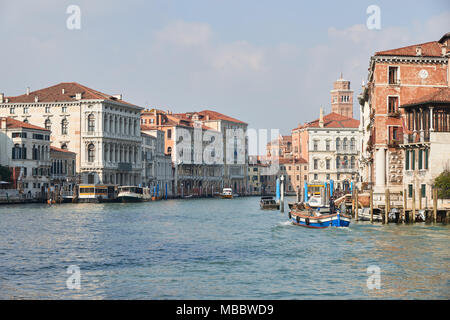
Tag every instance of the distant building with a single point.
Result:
(25, 149)
(63, 173)
(102, 129)
(330, 144)
(342, 98)
(280, 148)
(157, 170)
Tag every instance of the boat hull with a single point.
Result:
(130, 199)
(226, 196)
(324, 221)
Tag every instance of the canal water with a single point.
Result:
(212, 249)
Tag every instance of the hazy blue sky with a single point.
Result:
(269, 63)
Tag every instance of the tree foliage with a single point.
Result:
(442, 183)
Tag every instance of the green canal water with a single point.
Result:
(212, 249)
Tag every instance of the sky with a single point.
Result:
(269, 63)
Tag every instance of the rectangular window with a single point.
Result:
(64, 109)
(393, 75)
(422, 190)
(25, 109)
(420, 159)
(315, 164)
(327, 146)
(426, 158)
(407, 160)
(328, 164)
(11, 110)
(315, 145)
(413, 159)
(169, 134)
(410, 190)
(392, 104)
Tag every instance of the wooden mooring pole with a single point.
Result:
(435, 193)
(413, 212)
(404, 205)
(387, 206)
(371, 206)
(356, 204)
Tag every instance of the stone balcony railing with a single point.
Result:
(346, 151)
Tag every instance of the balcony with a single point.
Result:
(394, 114)
(347, 151)
(394, 143)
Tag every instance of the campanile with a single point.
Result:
(342, 98)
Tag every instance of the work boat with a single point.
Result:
(227, 193)
(315, 219)
(130, 194)
(269, 203)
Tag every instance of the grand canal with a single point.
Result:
(212, 249)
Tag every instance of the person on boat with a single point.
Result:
(332, 206)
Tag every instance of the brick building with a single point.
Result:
(397, 77)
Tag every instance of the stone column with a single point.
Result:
(380, 167)
(431, 119)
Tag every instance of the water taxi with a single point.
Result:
(96, 193)
(131, 194)
(227, 193)
(269, 203)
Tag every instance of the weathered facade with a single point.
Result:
(396, 77)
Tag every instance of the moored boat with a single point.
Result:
(227, 193)
(130, 194)
(268, 202)
(311, 220)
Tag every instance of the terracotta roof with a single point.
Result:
(55, 94)
(291, 161)
(213, 115)
(52, 148)
(335, 120)
(13, 123)
(429, 49)
(441, 95)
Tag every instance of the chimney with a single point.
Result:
(28, 91)
(118, 96)
(419, 51)
(63, 91)
(321, 118)
(78, 96)
(36, 99)
(2, 96)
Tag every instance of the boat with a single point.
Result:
(316, 219)
(96, 193)
(315, 202)
(130, 194)
(269, 203)
(227, 193)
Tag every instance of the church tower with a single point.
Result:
(342, 98)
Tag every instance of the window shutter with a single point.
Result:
(420, 159)
(426, 158)
(407, 160)
(413, 159)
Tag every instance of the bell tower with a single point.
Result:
(342, 98)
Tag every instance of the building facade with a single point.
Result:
(103, 130)
(396, 77)
(25, 149)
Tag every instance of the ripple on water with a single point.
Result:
(212, 249)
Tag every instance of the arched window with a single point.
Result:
(352, 162)
(338, 144)
(345, 162)
(169, 151)
(48, 124)
(25, 120)
(91, 123)
(64, 146)
(352, 144)
(64, 125)
(91, 153)
(105, 123)
(338, 162)
(344, 144)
